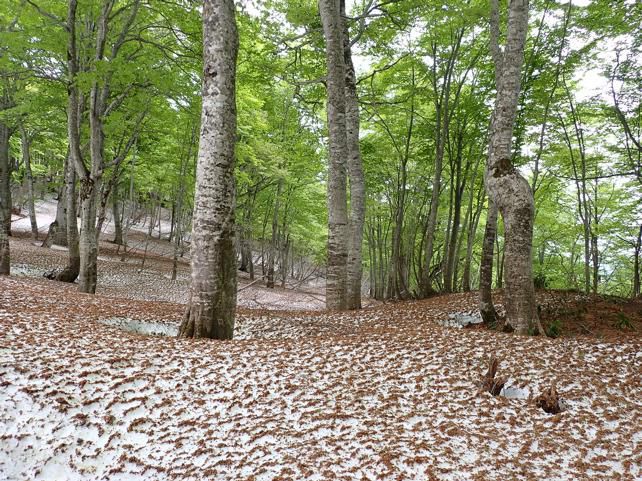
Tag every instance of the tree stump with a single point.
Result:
(549, 400)
(489, 382)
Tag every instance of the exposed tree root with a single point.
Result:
(489, 382)
(549, 400)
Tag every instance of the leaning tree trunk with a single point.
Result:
(508, 189)
(355, 173)
(336, 287)
(5, 199)
(212, 303)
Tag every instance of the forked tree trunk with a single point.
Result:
(508, 189)
(5, 199)
(355, 173)
(91, 178)
(443, 114)
(212, 300)
(336, 284)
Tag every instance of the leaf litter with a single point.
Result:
(386, 393)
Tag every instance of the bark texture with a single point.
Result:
(60, 237)
(486, 306)
(26, 159)
(210, 311)
(355, 174)
(70, 273)
(336, 287)
(636, 264)
(5, 199)
(507, 188)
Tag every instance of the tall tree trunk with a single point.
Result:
(426, 282)
(118, 220)
(636, 264)
(395, 285)
(212, 299)
(336, 284)
(247, 258)
(60, 235)
(155, 208)
(443, 115)
(129, 209)
(5, 199)
(501, 257)
(25, 142)
(486, 306)
(274, 240)
(180, 198)
(450, 281)
(88, 240)
(355, 174)
(71, 271)
(471, 232)
(91, 179)
(508, 189)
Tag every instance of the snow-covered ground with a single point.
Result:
(386, 393)
(88, 392)
(152, 280)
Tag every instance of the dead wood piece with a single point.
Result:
(489, 382)
(549, 400)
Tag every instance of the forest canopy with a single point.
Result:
(425, 90)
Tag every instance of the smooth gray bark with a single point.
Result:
(212, 301)
(508, 189)
(636, 264)
(180, 199)
(336, 284)
(5, 199)
(91, 178)
(116, 209)
(443, 112)
(486, 306)
(60, 236)
(71, 271)
(25, 143)
(355, 174)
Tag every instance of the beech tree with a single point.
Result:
(336, 290)
(212, 299)
(414, 112)
(509, 191)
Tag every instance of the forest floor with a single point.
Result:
(387, 392)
